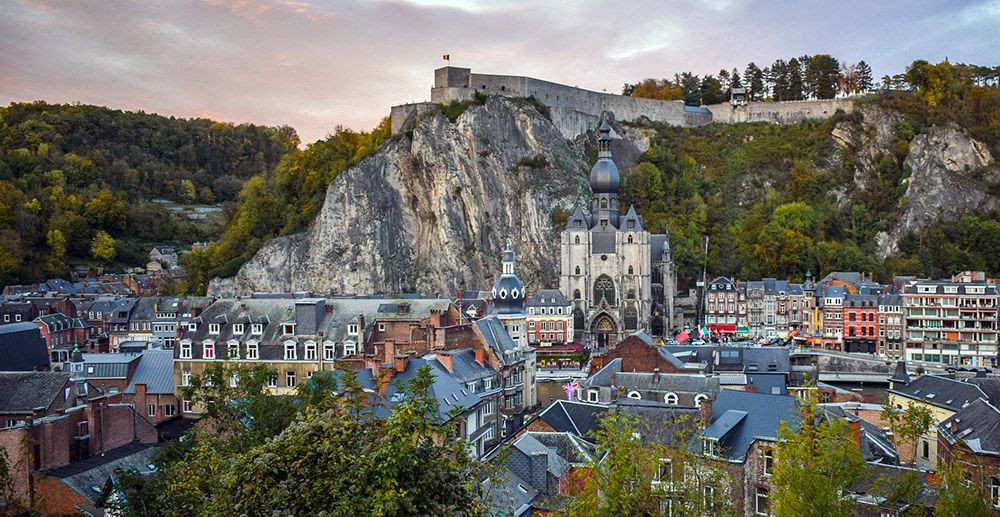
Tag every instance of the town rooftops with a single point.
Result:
(88, 477)
(58, 322)
(579, 418)
(547, 298)
(944, 287)
(739, 418)
(977, 425)
(940, 391)
(156, 371)
(496, 336)
(22, 348)
(109, 365)
(25, 392)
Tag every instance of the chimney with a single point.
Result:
(705, 412)
(856, 431)
(612, 380)
(435, 318)
(480, 355)
(388, 350)
(399, 362)
(446, 361)
(140, 397)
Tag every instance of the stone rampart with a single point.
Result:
(575, 110)
(786, 112)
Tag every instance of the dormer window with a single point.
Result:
(192, 327)
(352, 329)
(234, 350)
(257, 329)
(252, 350)
(208, 351)
(288, 328)
(290, 353)
(237, 328)
(213, 328)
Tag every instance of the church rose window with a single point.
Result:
(604, 288)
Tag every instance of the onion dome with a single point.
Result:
(604, 175)
(508, 290)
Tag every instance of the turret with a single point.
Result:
(508, 290)
(605, 182)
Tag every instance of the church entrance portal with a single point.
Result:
(604, 331)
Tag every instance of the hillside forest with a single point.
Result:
(77, 183)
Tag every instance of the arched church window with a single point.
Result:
(578, 319)
(604, 203)
(604, 289)
(576, 240)
(631, 271)
(631, 319)
(578, 270)
(630, 239)
(576, 294)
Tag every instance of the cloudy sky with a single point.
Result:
(315, 64)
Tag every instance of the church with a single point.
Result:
(619, 277)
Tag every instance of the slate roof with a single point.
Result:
(900, 375)
(547, 298)
(464, 367)
(570, 447)
(496, 336)
(23, 392)
(632, 216)
(875, 445)
(445, 389)
(579, 418)
(511, 495)
(658, 244)
(940, 391)
(939, 285)
(978, 425)
(577, 221)
(658, 423)
(58, 321)
(990, 386)
(526, 443)
(22, 347)
(739, 418)
(156, 371)
(108, 365)
(83, 476)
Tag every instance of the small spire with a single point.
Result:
(604, 141)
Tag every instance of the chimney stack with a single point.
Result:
(399, 362)
(446, 361)
(480, 355)
(705, 412)
(856, 431)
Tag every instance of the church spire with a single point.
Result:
(604, 183)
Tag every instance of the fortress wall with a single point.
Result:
(404, 117)
(786, 112)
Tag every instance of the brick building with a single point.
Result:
(970, 436)
(550, 318)
(860, 325)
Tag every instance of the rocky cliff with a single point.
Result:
(430, 211)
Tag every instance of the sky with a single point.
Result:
(315, 64)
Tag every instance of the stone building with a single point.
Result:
(890, 326)
(618, 276)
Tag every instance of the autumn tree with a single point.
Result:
(814, 465)
(102, 246)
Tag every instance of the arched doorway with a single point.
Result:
(604, 331)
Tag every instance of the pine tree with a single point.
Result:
(865, 83)
(754, 79)
(779, 80)
(795, 84)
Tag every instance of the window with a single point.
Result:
(926, 450)
(995, 491)
(237, 328)
(670, 399)
(631, 271)
(185, 350)
(151, 410)
(234, 350)
(288, 328)
(487, 383)
(708, 496)
(576, 240)
(310, 351)
(208, 351)
(760, 501)
(213, 328)
(257, 329)
(352, 329)
(604, 289)
(768, 462)
(487, 408)
(329, 351)
(577, 270)
(192, 326)
(290, 379)
(708, 447)
(665, 472)
(699, 398)
(471, 386)
(186, 406)
(185, 377)
(169, 410)
(234, 380)
(634, 395)
(381, 327)
(350, 348)
(272, 381)
(290, 351)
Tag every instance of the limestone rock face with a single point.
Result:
(951, 175)
(430, 213)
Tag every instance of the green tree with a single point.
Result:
(959, 496)
(102, 247)
(186, 192)
(57, 243)
(814, 465)
(822, 73)
(865, 81)
(908, 425)
(754, 78)
(105, 211)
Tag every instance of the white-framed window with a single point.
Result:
(290, 353)
(471, 386)
(6, 318)
(350, 348)
(761, 503)
(288, 329)
(151, 410)
(593, 396)
(768, 462)
(670, 399)
(290, 379)
(995, 491)
(257, 329)
(208, 351)
(237, 328)
(381, 327)
(708, 447)
(185, 377)
(192, 326)
(329, 351)
(487, 408)
(310, 351)
(253, 350)
(634, 395)
(352, 329)
(234, 350)
(488, 383)
(309, 374)
(213, 328)
(699, 398)
(272, 381)
(186, 406)
(169, 410)
(185, 350)
(665, 471)
(708, 496)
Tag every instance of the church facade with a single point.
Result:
(618, 277)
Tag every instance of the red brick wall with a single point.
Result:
(637, 356)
